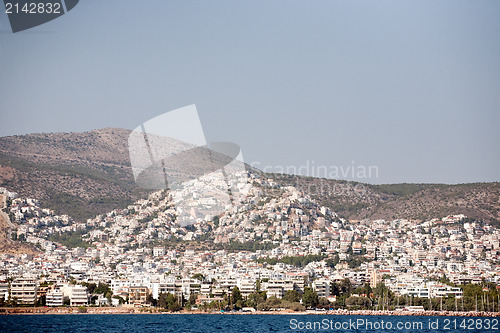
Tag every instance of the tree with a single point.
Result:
(168, 301)
(444, 279)
(236, 295)
(358, 302)
(162, 300)
(102, 288)
(108, 296)
(151, 300)
(355, 261)
(335, 289)
(345, 286)
(310, 298)
(192, 299)
(324, 303)
(271, 302)
(292, 296)
(198, 276)
(381, 289)
(216, 220)
(254, 299)
(365, 289)
(332, 262)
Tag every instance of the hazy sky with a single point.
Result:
(411, 87)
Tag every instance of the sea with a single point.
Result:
(241, 323)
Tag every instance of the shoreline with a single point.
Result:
(127, 310)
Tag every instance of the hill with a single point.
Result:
(7, 245)
(85, 174)
(354, 200)
(79, 174)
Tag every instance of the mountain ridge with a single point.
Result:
(89, 173)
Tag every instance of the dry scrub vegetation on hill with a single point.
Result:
(84, 174)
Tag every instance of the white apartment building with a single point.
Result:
(119, 285)
(158, 251)
(455, 267)
(246, 286)
(321, 287)
(78, 295)
(4, 290)
(277, 288)
(55, 297)
(422, 292)
(425, 290)
(24, 290)
(163, 287)
(205, 289)
(443, 291)
(79, 266)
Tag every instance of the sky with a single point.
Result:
(409, 90)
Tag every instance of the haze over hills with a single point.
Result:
(85, 174)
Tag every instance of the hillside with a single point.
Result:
(85, 174)
(79, 174)
(7, 245)
(412, 201)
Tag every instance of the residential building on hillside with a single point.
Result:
(24, 290)
(55, 297)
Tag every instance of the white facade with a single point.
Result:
(321, 287)
(158, 252)
(55, 297)
(246, 287)
(4, 290)
(24, 290)
(78, 295)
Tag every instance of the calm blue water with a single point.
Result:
(241, 323)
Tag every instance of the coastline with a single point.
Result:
(127, 310)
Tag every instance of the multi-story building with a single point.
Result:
(55, 297)
(4, 290)
(375, 278)
(277, 288)
(24, 290)
(358, 278)
(321, 287)
(422, 292)
(119, 285)
(187, 287)
(165, 287)
(158, 251)
(205, 289)
(79, 296)
(443, 291)
(138, 295)
(246, 287)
